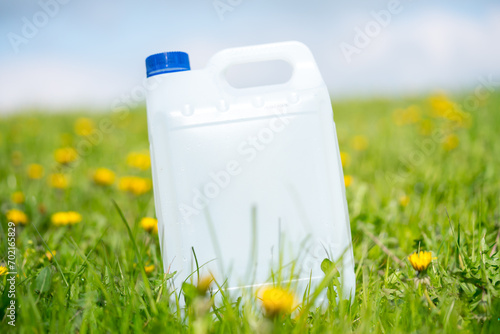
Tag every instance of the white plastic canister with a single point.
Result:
(248, 180)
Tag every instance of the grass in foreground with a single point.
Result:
(420, 174)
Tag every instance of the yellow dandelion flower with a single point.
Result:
(49, 255)
(451, 142)
(139, 160)
(65, 218)
(444, 108)
(406, 116)
(59, 219)
(345, 158)
(441, 105)
(204, 283)
(347, 180)
(404, 200)
(359, 143)
(104, 177)
(135, 185)
(420, 260)
(149, 224)
(141, 186)
(73, 217)
(65, 155)
(3, 270)
(18, 197)
(149, 269)
(59, 181)
(125, 183)
(17, 216)
(277, 301)
(35, 171)
(84, 126)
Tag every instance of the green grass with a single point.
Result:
(98, 283)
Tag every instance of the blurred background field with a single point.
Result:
(420, 173)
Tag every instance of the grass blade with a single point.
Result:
(139, 258)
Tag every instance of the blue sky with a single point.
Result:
(92, 51)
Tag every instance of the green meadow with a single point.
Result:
(421, 173)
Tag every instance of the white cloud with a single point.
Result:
(51, 84)
(425, 51)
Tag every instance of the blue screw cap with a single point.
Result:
(167, 62)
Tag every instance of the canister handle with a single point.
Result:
(305, 71)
